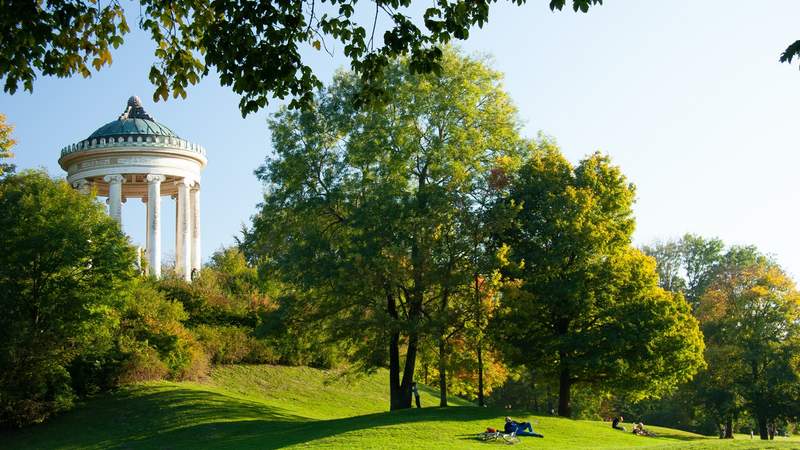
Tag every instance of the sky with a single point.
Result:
(687, 97)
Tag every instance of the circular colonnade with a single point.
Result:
(137, 157)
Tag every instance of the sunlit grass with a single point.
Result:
(256, 407)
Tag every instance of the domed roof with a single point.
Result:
(134, 121)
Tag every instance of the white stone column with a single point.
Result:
(147, 228)
(154, 223)
(83, 186)
(195, 207)
(183, 247)
(115, 196)
(179, 252)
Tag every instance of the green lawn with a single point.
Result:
(259, 407)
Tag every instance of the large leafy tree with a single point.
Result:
(587, 306)
(750, 315)
(363, 210)
(256, 47)
(63, 268)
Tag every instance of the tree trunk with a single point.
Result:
(729, 428)
(535, 392)
(564, 385)
(418, 259)
(762, 428)
(443, 309)
(771, 429)
(481, 401)
(414, 314)
(408, 371)
(479, 324)
(395, 395)
(442, 374)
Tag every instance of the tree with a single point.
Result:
(65, 265)
(361, 214)
(6, 144)
(669, 264)
(256, 47)
(687, 265)
(749, 316)
(587, 306)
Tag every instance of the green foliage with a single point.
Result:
(64, 268)
(153, 342)
(232, 345)
(256, 47)
(462, 369)
(365, 210)
(733, 291)
(687, 265)
(287, 332)
(587, 306)
(751, 318)
(223, 307)
(791, 51)
(219, 297)
(60, 38)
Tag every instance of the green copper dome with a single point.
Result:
(123, 127)
(134, 121)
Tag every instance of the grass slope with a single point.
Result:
(259, 407)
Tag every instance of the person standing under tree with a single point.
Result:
(416, 393)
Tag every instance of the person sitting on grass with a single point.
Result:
(615, 424)
(521, 428)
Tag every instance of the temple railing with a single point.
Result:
(133, 141)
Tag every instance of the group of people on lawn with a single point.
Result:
(526, 429)
(638, 428)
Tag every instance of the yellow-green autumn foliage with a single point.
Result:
(750, 315)
(585, 306)
(6, 143)
(153, 342)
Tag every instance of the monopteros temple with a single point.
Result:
(137, 157)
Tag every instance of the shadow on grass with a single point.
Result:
(280, 433)
(170, 417)
(661, 433)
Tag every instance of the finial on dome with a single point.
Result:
(134, 110)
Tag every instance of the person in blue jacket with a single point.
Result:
(522, 428)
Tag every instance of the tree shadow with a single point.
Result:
(280, 433)
(166, 416)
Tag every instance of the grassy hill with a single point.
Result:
(259, 407)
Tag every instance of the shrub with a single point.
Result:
(153, 343)
(141, 363)
(231, 345)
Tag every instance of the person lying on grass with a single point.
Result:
(639, 430)
(522, 428)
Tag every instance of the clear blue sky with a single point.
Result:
(686, 96)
